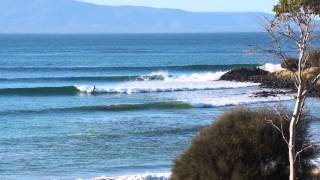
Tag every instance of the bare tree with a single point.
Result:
(294, 25)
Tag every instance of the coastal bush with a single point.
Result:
(292, 63)
(242, 145)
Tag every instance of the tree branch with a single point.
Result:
(279, 129)
(302, 150)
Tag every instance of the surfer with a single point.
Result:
(94, 90)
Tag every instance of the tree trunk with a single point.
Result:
(292, 131)
(292, 151)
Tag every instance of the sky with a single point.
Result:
(198, 5)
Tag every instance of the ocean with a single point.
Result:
(122, 106)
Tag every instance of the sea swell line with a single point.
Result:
(166, 105)
(34, 91)
(125, 88)
(152, 68)
(153, 76)
(66, 79)
(135, 107)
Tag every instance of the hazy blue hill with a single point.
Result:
(69, 16)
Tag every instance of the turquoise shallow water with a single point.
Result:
(80, 106)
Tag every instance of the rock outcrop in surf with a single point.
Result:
(283, 79)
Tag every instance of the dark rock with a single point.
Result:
(270, 81)
(266, 80)
(243, 74)
(268, 93)
(256, 75)
(314, 91)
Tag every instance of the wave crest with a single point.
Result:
(125, 88)
(166, 76)
(171, 86)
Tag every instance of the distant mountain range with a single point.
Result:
(70, 16)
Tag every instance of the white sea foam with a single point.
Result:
(220, 98)
(233, 101)
(271, 67)
(146, 176)
(201, 77)
(163, 86)
(158, 75)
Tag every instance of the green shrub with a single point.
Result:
(292, 63)
(241, 145)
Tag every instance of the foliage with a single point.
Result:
(241, 145)
(312, 61)
(294, 6)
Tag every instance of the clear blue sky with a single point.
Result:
(199, 5)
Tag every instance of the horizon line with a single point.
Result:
(134, 33)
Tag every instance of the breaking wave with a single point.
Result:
(271, 67)
(210, 73)
(165, 76)
(127, 88)
(161, 86)
(160, 81)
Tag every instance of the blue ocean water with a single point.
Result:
(82, 106)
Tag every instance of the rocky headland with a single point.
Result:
(283, 79)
